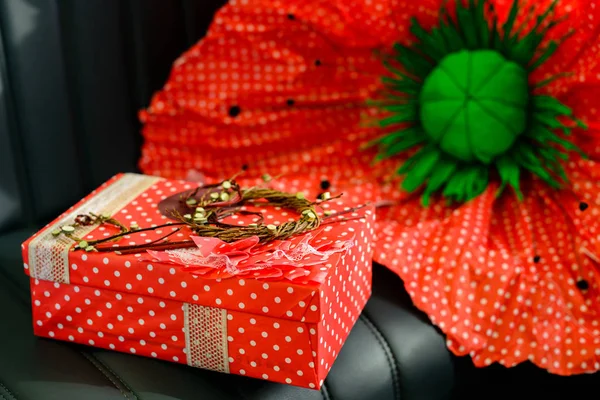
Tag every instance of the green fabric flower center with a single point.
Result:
(461, 110)
(474, 105)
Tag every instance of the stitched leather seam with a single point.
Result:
(7, 392)
(133, 393)
(111, 376)
(389, 354)
(325, 392)
(100, 366)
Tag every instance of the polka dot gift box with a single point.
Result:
(109, 273)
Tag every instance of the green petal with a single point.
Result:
(548, 103)
(481, 23)
(450, 32)
(467, 183)
(421, 169)
(428, 45)
(409, 109)
(544, 136)
(509, 173)
(546, 54)
(477, 181)
(553, 78)
(465, 20)
(525, 156)
(414, 62)
(401, 81)
(551, 158)
(408, 139)
(508, 26)
(526, 48)
(549, 120)
(442, 171)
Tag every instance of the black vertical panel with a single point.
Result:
(11, 198)
(74, 76)
(198, 17)
(94, 53)
(36, 73)
(156, 34)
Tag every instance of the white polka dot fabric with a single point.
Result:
(283, 87)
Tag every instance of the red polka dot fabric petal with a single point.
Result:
(281, 87)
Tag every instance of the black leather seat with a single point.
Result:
(73, 75)
(392, 353)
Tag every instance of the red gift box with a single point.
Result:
(285, 323)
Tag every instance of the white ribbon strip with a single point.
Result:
(49, 255)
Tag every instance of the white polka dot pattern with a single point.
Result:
(277, 329)
(298, 74)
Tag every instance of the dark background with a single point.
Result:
(73, 76)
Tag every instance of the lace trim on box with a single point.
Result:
(49, 255)
(206, 337)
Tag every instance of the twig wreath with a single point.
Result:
(203, 210)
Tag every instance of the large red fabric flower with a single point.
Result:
(282, 87)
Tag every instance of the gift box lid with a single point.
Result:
(289, 288)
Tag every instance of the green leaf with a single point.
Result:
(553, 78)
(580, 124)
(549, 120)
(549, 103)
(400, 74)
(392, 137)
(509, 173)
(525, 49)
(414, 62)
(554, 153)
(450, 32)
(400, 98)
(438, 37)
(481, 23)
(402, 86)
(525, 156)
(465, 21)
(467, 183)
(408, 164)
(401, 146)
(544, 136)
(421, 169)
(405, 117)
(546, 54)
(409, 109)
(550, 157)
(508, 26)
(428, 44)
(495, 39)
(455, 188)
(442, 171)
(476, 181)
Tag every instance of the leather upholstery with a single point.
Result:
(392, 353)
(73, 74)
